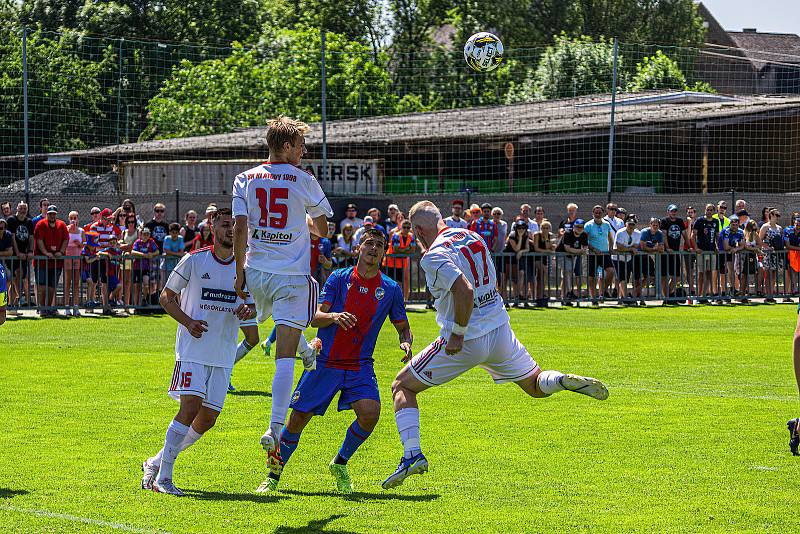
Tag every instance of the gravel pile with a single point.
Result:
(66, 181)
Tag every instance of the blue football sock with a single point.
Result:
(273, 335)
(289, 443)
(353, 439)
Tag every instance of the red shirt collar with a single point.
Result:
(219, 260)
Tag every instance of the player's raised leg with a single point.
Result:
(289, 440)
(250, 330)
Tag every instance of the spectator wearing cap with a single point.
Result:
(675, 235)
(21, 226)
(704, 234)
(52, 237)
(572, 214)
(390, 223)
(375, 213)
(574, 243)
(612, 219)
(351, 218)
(517, 269)
(369, 223)
(455, 220)
(485, 227)
(525, 215)
(108, 236)
(144, 252)
(189, 229)
(732, 241)
(628, 263)
(43, 205)
(721, 216)
(601, 241)
(651, 242)
(211, 209)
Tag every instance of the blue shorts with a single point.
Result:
(316, 389)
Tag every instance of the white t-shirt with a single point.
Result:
(502, 233)
(205, 285)
(533, 226)
(460, 223)
(626, 240)
(356, 222)
(343, 244)
(455, 252)
(616, 223)
(275, 197)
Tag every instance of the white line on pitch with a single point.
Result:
(77, 519)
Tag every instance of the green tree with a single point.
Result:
(659, 71)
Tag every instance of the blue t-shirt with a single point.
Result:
(733, 238)
(3, 287)
(371, 301)
(325, 247)
(652, 238)
(792, 238)
(169, 262)
(598, 234)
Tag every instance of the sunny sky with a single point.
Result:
(780, 16)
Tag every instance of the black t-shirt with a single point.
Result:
(513, 237)
(793, 238)
(672, 228)
(565, 225)
(23, 233)
(6, 241)
(188, 235)
(569, 239)
(158, 231)
(706, 234)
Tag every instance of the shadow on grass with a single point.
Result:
(8, 493)
(242, 497)
(317, 525)
(250, 393)
(361, 496)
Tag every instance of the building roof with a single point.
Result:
(762, 48)
(540, 121)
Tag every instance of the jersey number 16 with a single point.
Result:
(269, 202)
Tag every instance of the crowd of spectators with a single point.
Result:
(118, 260)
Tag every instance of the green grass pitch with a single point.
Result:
(692, 438)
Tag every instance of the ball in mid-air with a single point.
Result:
(483, 52)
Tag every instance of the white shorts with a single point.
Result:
(291, 299)
(208, 382)
(499, 352)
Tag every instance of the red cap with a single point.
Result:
(106, 213)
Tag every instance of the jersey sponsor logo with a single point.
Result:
(429, 374)
(363, 290)
(270, 176)
(268, 236)
(206, 276)
(218, 295)
(486, 299)
(379, 293)
(296, 396)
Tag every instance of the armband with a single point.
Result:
(459, 330)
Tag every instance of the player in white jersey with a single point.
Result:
(475, 331)
(200, 295)
(272, 203)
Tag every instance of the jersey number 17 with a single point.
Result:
(471, 250)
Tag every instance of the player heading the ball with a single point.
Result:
(272, 244)
(475, 331)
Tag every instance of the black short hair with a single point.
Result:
(174, 227)
(220, 212)
(372, 232)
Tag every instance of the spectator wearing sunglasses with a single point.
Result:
(158, 227)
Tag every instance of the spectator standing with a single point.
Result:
(572, 214)
(792, 241)
(91, 283)
(129, 208)
(369, 223)
(189, 229)
(129, 236)
(174, 249)
(204, 238)
(21, 226)
(722, 222)
(351, 218)
(674, 229)
(52, 237)
(484, 226)
(95, 214)
(732, 240)
(390, 223)
(346, 247)
(43, 205)
(473, 214)
(332, 240)
(158, 226)
(651, 242)
(748, 259)
(525, 215)
(499, 245)
(772, 237)
(5, 210)
(689, 246)
(538, 215)
(611, 218)
(628, 263)
(320, 258)
(73, 265)
(375, 213)
(518, 243)
(601, 240)
(740, 205)
(704, 234)
(402, 242)
(144, 251)
(455, 220)
(574, 243)
(211, 209)
(543, 246)
(7, 247)
(108, 236)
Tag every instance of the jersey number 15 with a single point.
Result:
(269, 202)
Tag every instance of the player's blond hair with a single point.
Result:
(425, 213)
(284, 130)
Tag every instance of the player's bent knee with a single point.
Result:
(298, 421)
(368, 412)
(205, 420)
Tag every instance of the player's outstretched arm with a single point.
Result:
(319, 226)
(406, 339)
(169, 301)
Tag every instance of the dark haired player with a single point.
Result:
(353, 306)
(794, 424)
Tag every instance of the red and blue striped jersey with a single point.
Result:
(486, 229)
(371, 301)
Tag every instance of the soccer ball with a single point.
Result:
(483, 52)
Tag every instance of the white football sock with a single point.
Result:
(549, 382)
(191, 437)
(282, 384)
(176, 432)
(408, 426)
(303, 346)
(242, 350)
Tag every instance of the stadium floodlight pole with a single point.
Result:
(324, 172)
(613, 117)
(25, 108)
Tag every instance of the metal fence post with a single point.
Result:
(25, 109)
(324, 117)
(613, 117)
(119, 93)
(178, 205)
